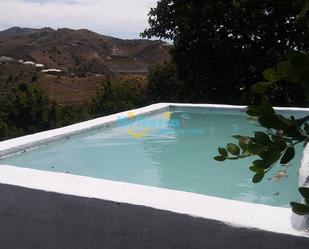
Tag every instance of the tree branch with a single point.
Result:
(301, 121)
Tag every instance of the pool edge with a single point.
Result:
(234, 213)
(22, 143)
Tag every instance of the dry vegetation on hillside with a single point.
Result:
(85, 58)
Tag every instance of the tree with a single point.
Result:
(26, 110)
(223, 46)
(119, 96)
(164, 84)
(68, 114)
(276, 145)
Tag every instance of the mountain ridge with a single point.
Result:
(16, 31)
(69, 49)
(81, 59)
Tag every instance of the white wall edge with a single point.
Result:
(236, 213)
(223, 106)
(304, 169)
(19, 144)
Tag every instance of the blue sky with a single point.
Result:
(120, 18)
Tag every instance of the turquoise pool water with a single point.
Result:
(179, 156)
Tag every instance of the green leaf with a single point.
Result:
(220, 158)
(261, 164)
(270, 156)
(266, 109)
(300, 209)
(258, 177)
(269, 121)
(233, 149)
(246, 153)
(256, 169)
(261, 137)
(288, 155)
(237, 137)
(256, 149)
(286, 121)
(304, 192)
(304, 11)
(270, 74)
(252, 111)
(279, 142)
(283, 67)
(244, 142)
(261, 87)
(222, 152)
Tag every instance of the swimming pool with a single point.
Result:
(170, 149)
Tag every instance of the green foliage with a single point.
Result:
(299, 208)
(164, 84)
(268, 146)
(223, 46)
(294, 70)
(223, 152)
(233, 149)
(288, 155)
(258, 177)
(68, 115)
(28, 110)
(277, 143)
(302, 209)
(118, 96)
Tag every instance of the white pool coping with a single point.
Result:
(22, 143)
(236, 213)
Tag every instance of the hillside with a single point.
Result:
(17, 31)
(82, 59)
(77, 51)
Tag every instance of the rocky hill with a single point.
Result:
(79, 59)
(81, 51)
(17, 31)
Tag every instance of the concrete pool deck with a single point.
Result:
(41, 209)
